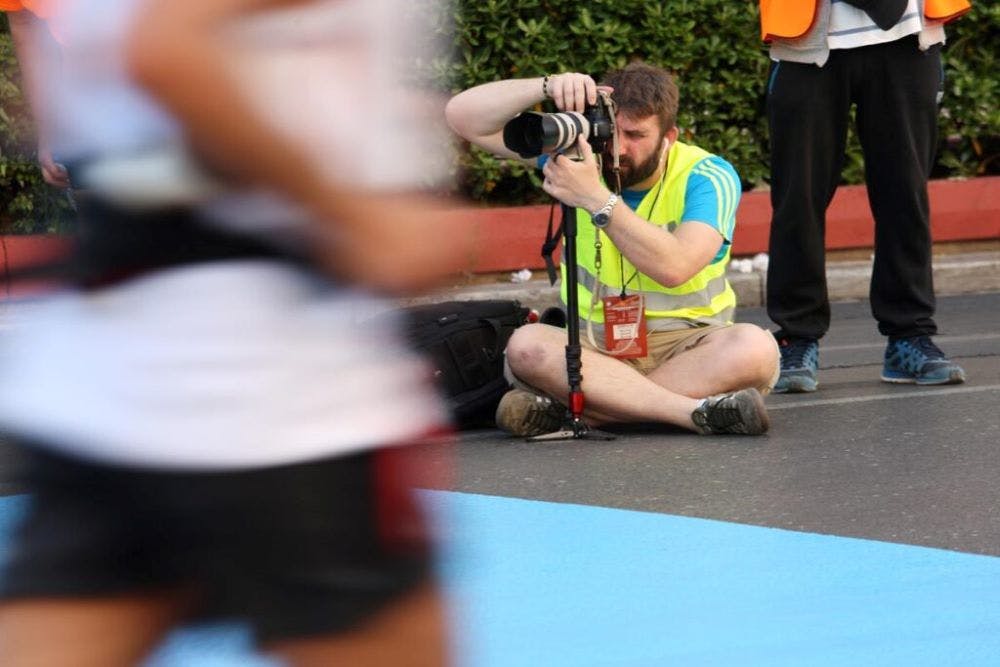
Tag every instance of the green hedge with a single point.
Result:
(721, 67)
(711, 45)
(27, 204)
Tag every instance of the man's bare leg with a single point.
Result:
(726, 360)
(98, 632)
(120, 632)
(410, 633)
(615, 391)
(737, 357)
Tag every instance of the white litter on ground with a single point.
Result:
(522, 276)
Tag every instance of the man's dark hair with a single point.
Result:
(644, 90)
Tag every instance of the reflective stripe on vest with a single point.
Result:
(791, 19)
(713, 304)
(705, 297)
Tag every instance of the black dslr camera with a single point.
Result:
(531, 134)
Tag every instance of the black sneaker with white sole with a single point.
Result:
(741, 412)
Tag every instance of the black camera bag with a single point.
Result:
(464, 341)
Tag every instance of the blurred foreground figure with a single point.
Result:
(212, 428)
(35, 42)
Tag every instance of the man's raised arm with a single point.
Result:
(479, 114)
(177, 51)
(35, 46)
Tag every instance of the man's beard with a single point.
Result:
(630, 173)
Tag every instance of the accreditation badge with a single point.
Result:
(625, 326)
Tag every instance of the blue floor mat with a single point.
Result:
(544, 584)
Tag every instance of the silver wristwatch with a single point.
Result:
(602, 216)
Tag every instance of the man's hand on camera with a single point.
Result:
(575, 182)
(573, 91)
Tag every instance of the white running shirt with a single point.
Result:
(851, 27)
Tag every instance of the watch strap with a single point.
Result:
(603, 214)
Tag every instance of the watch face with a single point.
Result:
(601, 219)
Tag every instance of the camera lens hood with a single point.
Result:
(531, 134)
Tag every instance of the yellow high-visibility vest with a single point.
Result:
(706, 297)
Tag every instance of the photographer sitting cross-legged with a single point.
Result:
(666, 239)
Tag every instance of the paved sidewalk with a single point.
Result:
(954, 273)
(958, 273)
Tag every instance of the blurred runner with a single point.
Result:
(36, 41)
(212, 429)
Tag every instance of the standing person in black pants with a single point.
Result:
(884, 57)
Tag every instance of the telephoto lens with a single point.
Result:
(531, 134)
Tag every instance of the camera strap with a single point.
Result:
(551, 241)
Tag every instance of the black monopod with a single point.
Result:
(543, 135)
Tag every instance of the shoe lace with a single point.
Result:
(723, 416)
(927, 347)
(794, 351)
(545, 413)
(723, 413)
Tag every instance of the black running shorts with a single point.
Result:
(297, 550)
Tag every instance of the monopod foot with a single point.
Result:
(574, 430)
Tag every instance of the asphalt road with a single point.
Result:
(861, 458)
(569, 582)
(898, 463)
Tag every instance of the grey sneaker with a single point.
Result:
(740, 412)
(525, 414)
(799, 365)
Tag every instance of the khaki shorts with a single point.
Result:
(662, 346)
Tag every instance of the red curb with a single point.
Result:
(510, 238)
(19, 251)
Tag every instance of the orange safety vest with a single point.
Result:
(46, 10)
(41, 8)
(790, 19)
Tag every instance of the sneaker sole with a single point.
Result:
(956, 377)
(763, 422)
(796, 387)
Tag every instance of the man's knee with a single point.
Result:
(752, 351)
(530, 349)
(759, 350)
